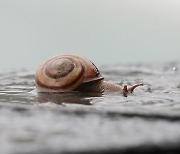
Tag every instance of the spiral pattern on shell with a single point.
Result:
(65, 73)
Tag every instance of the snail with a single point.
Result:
(69, 72)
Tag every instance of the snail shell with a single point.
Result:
(65, 73)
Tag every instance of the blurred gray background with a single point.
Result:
(105, 31)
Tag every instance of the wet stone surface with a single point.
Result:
(146, 121)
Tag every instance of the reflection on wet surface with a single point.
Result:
(74, 121)
(68, 97)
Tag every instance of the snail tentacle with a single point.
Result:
(131, 89)
(127, 90)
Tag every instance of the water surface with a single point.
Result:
(78, 122)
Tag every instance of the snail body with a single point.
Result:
(64, 73)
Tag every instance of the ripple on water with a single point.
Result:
(76, 121)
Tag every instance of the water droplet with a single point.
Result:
(174, 68)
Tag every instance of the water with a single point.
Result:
(148, 120)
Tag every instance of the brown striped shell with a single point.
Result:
(65, 73)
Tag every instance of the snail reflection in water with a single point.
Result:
(64, 73)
